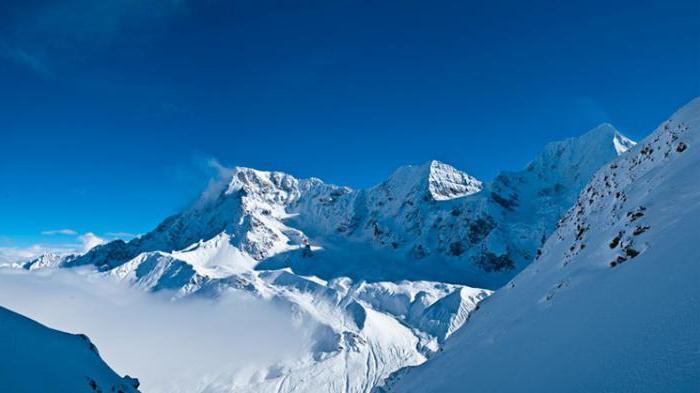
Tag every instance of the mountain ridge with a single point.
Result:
(430, 211)
(611, 303)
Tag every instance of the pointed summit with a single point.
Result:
(438, 180)
(579, 157)
(606, 133)
(446, 182)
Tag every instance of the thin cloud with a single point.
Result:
(68, 232)
(10, 255)
(120, 234)
(82, 244)
(33, 61)
(59, 33)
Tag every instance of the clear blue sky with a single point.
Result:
(109, 109)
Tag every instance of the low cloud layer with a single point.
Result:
(121, 235)
(171, 346)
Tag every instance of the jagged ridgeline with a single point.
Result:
(611, 305)
(428, 221)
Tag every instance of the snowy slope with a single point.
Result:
(34, 358)
(612, 304)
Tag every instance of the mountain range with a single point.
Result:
(588, 249)
(425, 222)
(612, 302)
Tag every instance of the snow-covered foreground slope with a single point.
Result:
(613, 302)
(34, 358)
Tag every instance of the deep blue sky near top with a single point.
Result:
(109, 110)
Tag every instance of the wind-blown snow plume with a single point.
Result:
(89, 241)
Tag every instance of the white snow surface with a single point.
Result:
(613, 302)
(35, 358)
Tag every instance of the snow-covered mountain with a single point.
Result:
(611, 305)
(34, 358)
(48, 260)
(426, 222)
(362, 332)
(379, 275)
(481, 238)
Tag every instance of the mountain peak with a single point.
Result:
(603, 128)
(580, 156)
(251, 179)
(606, 133)
(439, 180)
(446, 182)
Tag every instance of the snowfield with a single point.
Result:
(613, 302)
